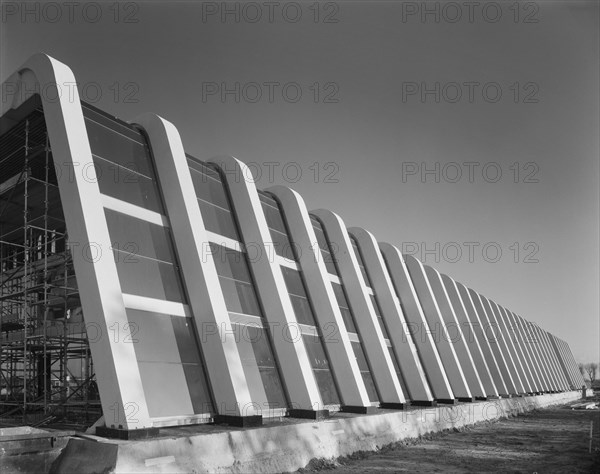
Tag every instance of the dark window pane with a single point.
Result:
(399, 373)
(113, 146)
(327, 388)
(164, 342)
(236, 283)
(273, 387)
(293, 281)
(102, 118)
(146, 277)
(183, 328)
(121, 183)
(365, 371)
(210, 189)
(198, 388)
(326, 253)
(302, 310)
(343, 305)
(138, 237)
(316, 354)
(279, 233)
(283, 246)
(218, 220)
(272, 213)
(295, 287)
(360, 357)
(370, 385)
(260, 366)
(379, 317)
(230, 263)
(361, 263)
(239, 297)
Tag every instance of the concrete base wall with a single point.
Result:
(286, 447)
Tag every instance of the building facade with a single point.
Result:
(190, 296)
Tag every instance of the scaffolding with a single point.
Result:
(46, 370)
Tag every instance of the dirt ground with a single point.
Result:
(553, 440)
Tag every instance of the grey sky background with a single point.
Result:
(363, 140)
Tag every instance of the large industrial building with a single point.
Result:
(146, 286)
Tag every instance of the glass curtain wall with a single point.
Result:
(294, 280)
(167, 351)
(375, 303)
(328, 252)
(231, 259)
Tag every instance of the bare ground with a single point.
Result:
(553, 440)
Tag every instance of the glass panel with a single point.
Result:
(328, 257)
(213, 199)
(361, 263)
(379, 317)
(236, 283)
(230, 263)
(208, 188)
(218, 220)
(327, 388)
(295, 287)
(164, 389)
(260, 368)
(116, 147)
(126, 185)
(183, 329)
(343, 305)
(239, 297)
(283, 246)
(169, 358)
(365, 371)
(272, 213)
(197, 383)
(138, 237)
(146, 277)
(370, 386)
(321, 369)
(279, 233)
(399, 373)
(151, 335)
(100, 117)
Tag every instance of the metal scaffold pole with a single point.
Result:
(46, 371)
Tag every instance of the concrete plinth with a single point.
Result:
(286, 446)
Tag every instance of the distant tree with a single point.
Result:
(582, 369)
(591, 370)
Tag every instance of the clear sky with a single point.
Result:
(351, 101)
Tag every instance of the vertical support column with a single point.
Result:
(117, 372)
(431, 310)
(373, 343)
(457, 337)
(401, 339)
(470, 336)
(509, 350)
(291, 354)
(346, 372)
(207, 304)
(417, 324)
(493, 334)
(521, 342)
